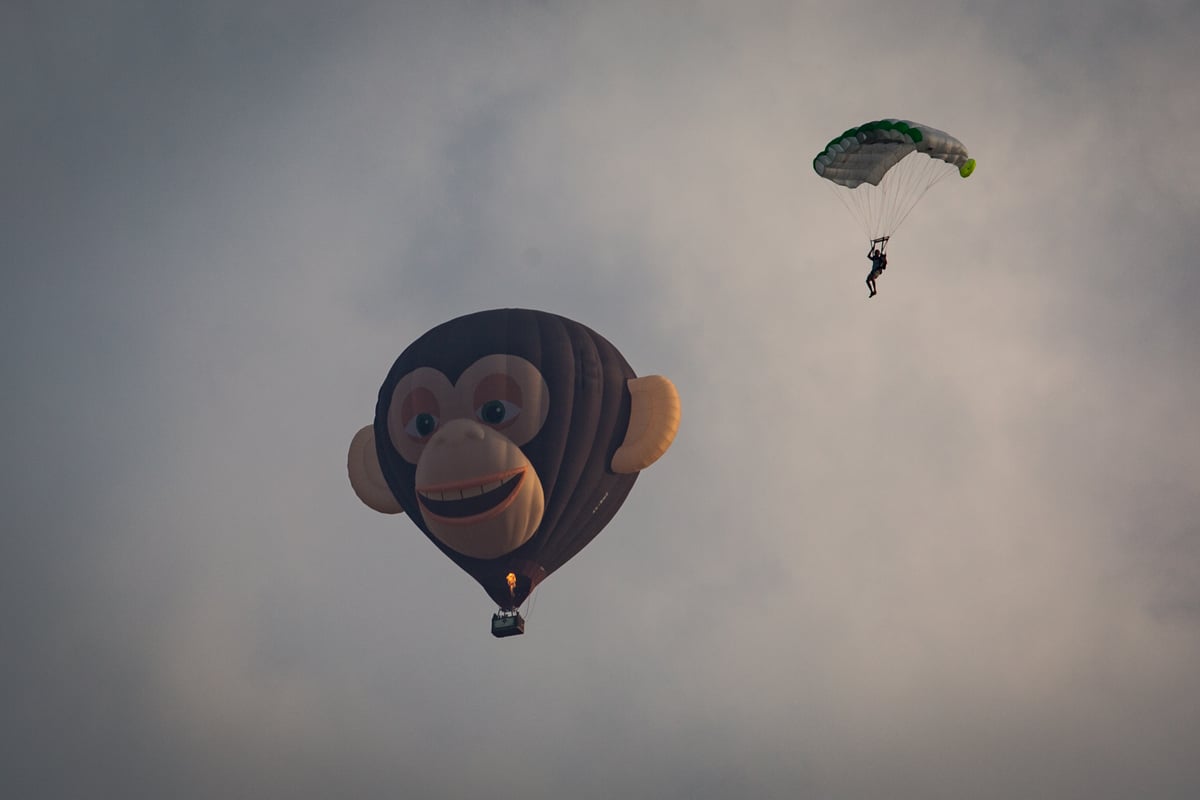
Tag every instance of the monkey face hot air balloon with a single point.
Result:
(510, 438)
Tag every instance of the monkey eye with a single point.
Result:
(497, 412)
(421, 426)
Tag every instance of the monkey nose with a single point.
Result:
(459, 430)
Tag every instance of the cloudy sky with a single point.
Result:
(941, 544)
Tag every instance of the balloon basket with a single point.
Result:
(507, 623)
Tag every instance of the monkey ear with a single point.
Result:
(653, 421)
(365, 475)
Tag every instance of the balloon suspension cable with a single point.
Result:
(529, 602)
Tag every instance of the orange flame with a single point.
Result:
(512, 583)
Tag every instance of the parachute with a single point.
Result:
(881, 169)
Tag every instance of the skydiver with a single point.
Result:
(878, 265)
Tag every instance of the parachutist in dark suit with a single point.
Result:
(878, 265)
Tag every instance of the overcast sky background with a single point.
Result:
(942, 544)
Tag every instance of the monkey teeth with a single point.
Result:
(471, 501)
(460, 493)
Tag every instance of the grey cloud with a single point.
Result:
(940, 544)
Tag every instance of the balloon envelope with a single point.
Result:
(486, 367)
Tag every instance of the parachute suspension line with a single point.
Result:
(880, 210)
(871, 204)
(874, 208)
(896, 188)
(934, 173)
(904, 186)
(849, 202)
(902, 181)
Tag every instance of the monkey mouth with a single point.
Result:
(471, 501)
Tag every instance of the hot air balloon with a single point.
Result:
(510, 438)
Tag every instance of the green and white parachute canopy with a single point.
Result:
(880, 169)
